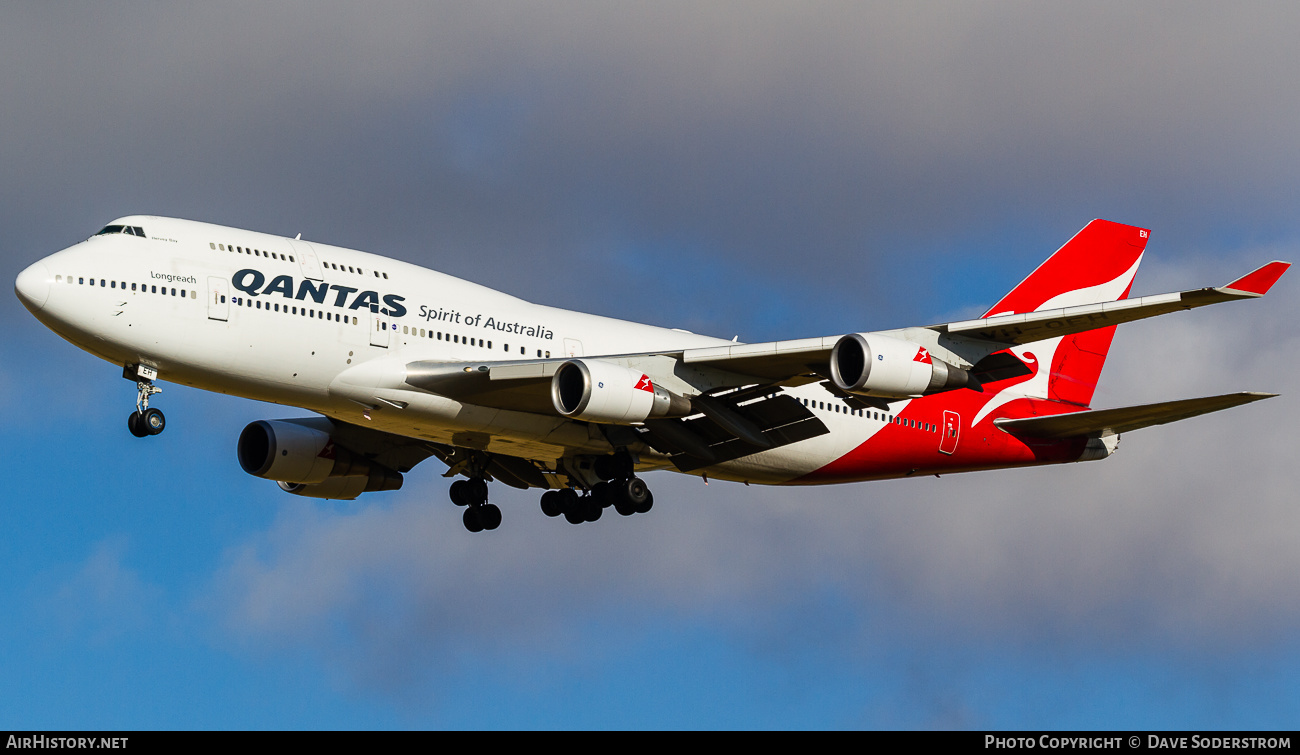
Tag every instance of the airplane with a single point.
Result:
(400, 363)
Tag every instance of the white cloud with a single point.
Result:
(103, 598)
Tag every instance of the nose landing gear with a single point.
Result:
(144, 421)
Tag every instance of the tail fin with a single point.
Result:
(1097, 265)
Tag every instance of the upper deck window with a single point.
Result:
(130, 230)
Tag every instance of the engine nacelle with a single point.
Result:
(869, 364)
(605, 392)
(335, 488)
(305, 457)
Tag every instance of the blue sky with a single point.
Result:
(762, 169)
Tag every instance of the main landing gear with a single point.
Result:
(473, 495)
(144, 421)
(628, 496)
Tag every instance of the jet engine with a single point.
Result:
(605, 392)
(305, 460)
(869, 364)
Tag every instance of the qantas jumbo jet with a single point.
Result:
(402, 363)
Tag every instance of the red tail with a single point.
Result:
(1097, 265)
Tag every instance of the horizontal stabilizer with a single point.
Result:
(1122, 420)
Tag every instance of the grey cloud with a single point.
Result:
(800, 143)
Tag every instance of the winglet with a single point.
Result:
(1258, 282)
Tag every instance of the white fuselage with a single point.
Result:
(331, 329)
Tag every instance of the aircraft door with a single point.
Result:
(572, 347)
(951, 432)
(307, 259)
(218, 302)
(379, 326)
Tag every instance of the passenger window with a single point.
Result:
(102, 283)
(548, 355)
(406, 331)
(81, 281)
(211, 245)
(385, 276)
(114, 284)
(173, 292)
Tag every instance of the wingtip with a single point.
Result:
(1259, 281)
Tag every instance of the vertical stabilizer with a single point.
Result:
(1097, 265)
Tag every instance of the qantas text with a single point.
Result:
(251, 282)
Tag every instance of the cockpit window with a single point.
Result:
(131, 230)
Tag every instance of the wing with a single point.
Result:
(736, 395)
(784, 360)
(1036, 326)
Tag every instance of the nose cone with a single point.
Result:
(33, 286)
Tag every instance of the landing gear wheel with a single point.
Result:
(591, 508)
(152, 421)
(457, 493)
(635, 492)
(551, 503)
(649, 501)
(475, 491)
(473, 522)
(489, 516)
(133, 424)
(571, 506)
